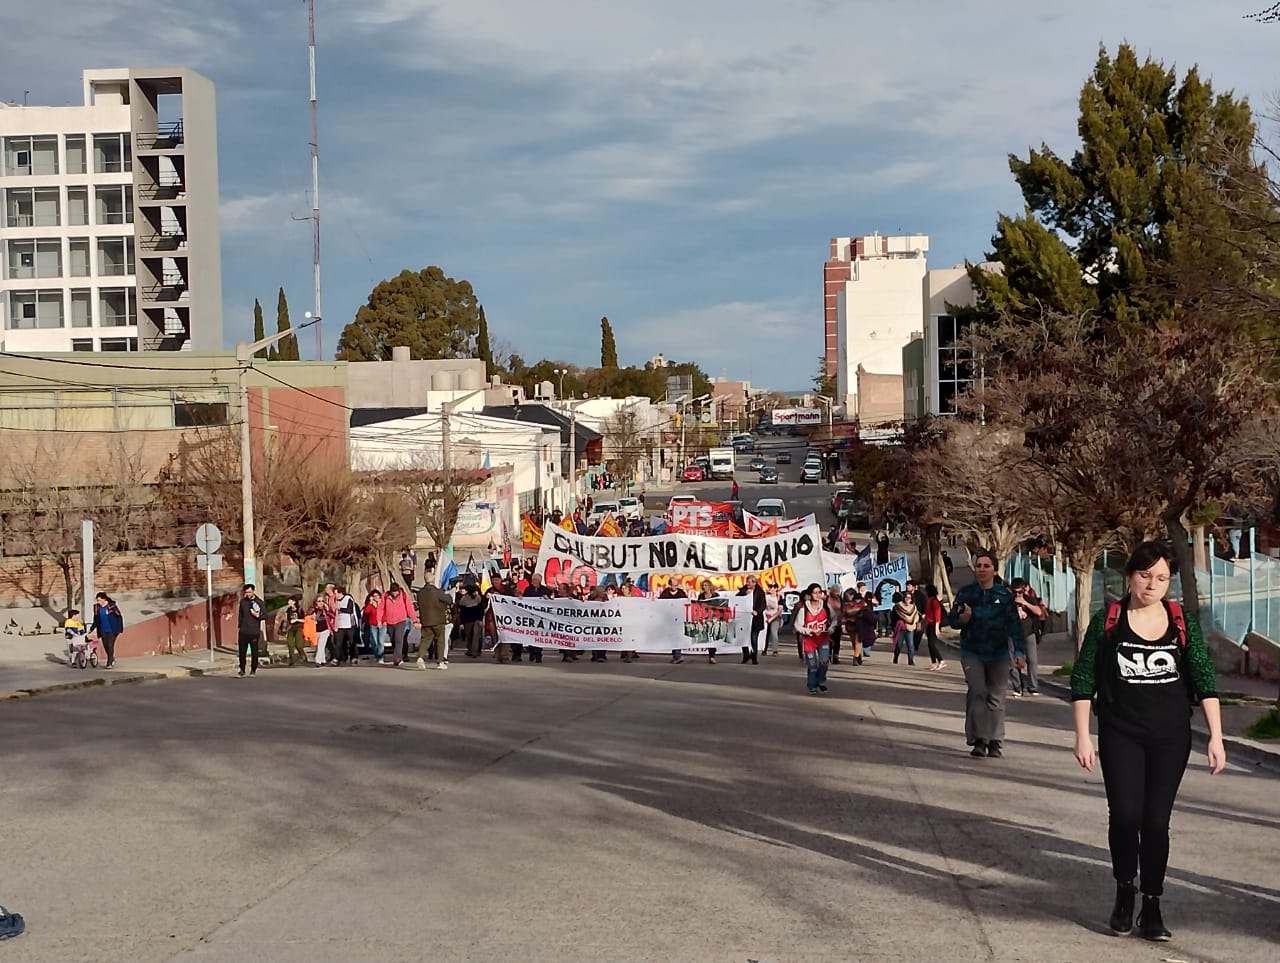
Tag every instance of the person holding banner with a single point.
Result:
(707, 593)
(673, 591)
(811, 621)
(752, 588)
(772, 619)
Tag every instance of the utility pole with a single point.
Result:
(315, 175)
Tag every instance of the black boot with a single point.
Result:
(1150, 925)
(746, 656)
(1122, 912)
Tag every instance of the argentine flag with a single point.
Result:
(447, 568)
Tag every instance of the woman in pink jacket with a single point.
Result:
(398, 616)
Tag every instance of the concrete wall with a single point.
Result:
(406, 383)
(183, 629)
(879, 397)
(28, 581)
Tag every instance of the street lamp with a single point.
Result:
(561, 372)
(244, 360)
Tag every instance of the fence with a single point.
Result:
(1236, 596)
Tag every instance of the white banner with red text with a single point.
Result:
(624, 624)
(780, 561)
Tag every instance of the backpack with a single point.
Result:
(1175, 614)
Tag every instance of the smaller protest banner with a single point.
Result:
(530, 534)
(623, 624)
(702, 518)
(887, 579)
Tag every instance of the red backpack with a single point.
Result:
(1175, 613)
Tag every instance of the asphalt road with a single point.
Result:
(589, 812)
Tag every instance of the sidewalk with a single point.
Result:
(1244, 699)
(28, 678)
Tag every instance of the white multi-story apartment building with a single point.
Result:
(109, 237)
(872, 284)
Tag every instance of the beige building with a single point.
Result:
(109, 239)
(948, 350)
(871, 305)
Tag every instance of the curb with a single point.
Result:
(1238, 748)
(84, 684)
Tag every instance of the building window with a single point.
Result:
(198, 408)
(27, 207)
(76, 156)
(112, 154)
(82, 310)
(34, 309)
(115, 257)
(77, 206)
(82, 344)
(31, 155)
(78, 258)
(119, 344)
(35, 259)
(114, 204)
(955, 362)
(117, 308)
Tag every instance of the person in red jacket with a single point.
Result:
(932, 619)
(373, 626)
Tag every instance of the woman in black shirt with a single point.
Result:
(1146, 671)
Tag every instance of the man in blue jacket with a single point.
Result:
(987, 617)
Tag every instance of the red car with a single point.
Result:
(692, 473)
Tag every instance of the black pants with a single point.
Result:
(931, 632)
(1142, 778)
(346, 644)
(108, 640)
(835, 643)
(248, 645)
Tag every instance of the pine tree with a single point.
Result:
(258, 332)
(608, 349)
(483, 351)
(286, 348)
(1130, 198)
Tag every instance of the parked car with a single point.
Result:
(839, 495)
(768, 475)
(599, 510)
(770, 508)
(782, 458)
(811, 472)
(678, 499)
(630, 507)
(756, 463)
(693, 473)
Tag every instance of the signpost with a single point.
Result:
(208, 540)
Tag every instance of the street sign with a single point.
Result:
(208, 538)
(208, 563)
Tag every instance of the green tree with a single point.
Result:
(433, 315)
(1130, 197)
(483, 351)
(286, 349)
(258, 333)
(823, 382)
(608, 349)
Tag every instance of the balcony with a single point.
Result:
(171, 290)
(167, 137)
(162, 242)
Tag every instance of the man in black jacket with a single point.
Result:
(251, 615)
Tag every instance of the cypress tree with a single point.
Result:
(483, 350)
(258, 332)
(608, 349)
(286, 348)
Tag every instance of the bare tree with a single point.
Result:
(55, 486)
(624, 441)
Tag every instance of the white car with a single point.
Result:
(600, 509)
(630, 507)
(770, 508)
(811, 472)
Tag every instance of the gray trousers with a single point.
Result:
(988, 684)
(1024, 680)
(771, 630)
(399, 632)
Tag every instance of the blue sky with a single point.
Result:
(677, 166)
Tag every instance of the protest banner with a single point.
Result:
(702, 518)
(887, 579)
(757, 525)
(638, 625)
(781, 561)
